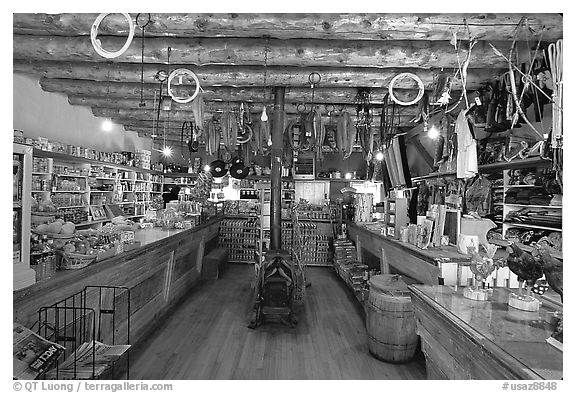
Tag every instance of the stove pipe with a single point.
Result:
(276, 174)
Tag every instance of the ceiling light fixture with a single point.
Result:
(433, 133)
(206, 168)
(380, 156)
(167, 151)
(107, 125)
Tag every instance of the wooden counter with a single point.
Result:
(424, 266)
(468, 339)
(158, 273)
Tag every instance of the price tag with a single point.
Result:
(478, 101)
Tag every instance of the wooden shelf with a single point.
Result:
(65, 175)
(70, 207)
(531, 226)
(498, 166)
(100, 191)
(40, 191)
(534, 206)
(76, 192)
(174, 175)
(82, 160)
(103, 178)
(41, 173)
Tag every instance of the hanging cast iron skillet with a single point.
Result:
(238, 170)
(218, 167)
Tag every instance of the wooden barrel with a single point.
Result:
(390, 321)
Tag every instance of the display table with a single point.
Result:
(158, 273)
(468, 339)
(425, 266)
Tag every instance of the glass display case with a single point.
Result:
(21, 196)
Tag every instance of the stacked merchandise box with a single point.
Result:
(240, 237)
(305, 243)
(323, 256)
(287, 235)
(348, 268)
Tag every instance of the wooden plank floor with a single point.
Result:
(207, 337)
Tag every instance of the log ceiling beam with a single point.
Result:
(487, 26)
(247, 76)
(128, 115)
(131, 91)
(250, 52)
(230, 103)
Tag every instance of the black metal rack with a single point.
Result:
(97, 313)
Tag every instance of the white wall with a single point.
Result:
(39, 113)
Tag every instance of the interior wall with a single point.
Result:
(42, 114)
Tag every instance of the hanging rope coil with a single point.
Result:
(98, 45)
(180, 72)
(411, 76)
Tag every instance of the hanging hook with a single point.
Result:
(314, 78)
(301, 107)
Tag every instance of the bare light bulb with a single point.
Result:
(107, 125)
(206, 168)
(348, 175)
(379, 156)
(433, 133)
(167, 151)
(264, 116)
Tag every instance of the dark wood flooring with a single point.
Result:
(206, 337)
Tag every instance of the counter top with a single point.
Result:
(148, 238)
(432, 255)
(515, 339)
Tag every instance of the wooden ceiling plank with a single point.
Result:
(357, 26)
(250, 51)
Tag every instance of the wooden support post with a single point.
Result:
(358, 249)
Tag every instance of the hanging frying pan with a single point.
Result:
(238, 170)
(218, 167)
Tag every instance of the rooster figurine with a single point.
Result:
(481, 267)
(552, 268)
(525, 267)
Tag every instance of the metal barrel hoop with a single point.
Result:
(97, 44)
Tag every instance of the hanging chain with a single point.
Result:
(154, 124)
(314, 78)
(143, 27)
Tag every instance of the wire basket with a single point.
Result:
(74, 261)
